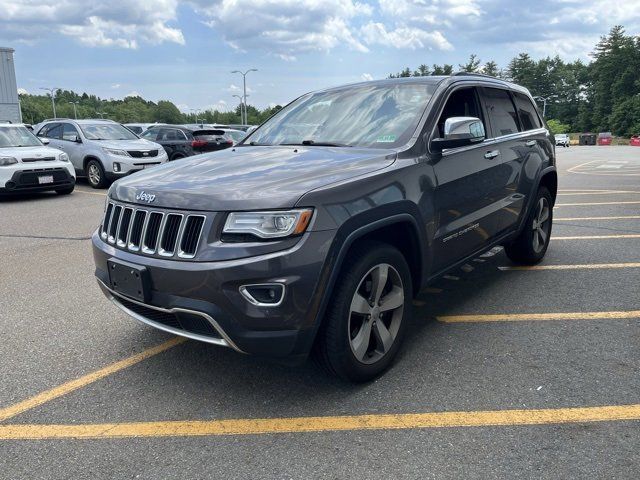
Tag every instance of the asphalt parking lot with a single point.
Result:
(505, 373)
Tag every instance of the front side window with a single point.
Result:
(107, 131)
(53, 130)
(69, 132)
(378, 116)
(502, 113)
(527, 113)
(150, 134)
(17, 136)
(461, 103)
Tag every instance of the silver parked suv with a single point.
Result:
(101, 150)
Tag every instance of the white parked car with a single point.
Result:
(28, 165)
(562, 139)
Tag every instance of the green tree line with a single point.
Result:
(131, 109)
(602, 95)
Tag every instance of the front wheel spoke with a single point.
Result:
(379, 277)
(392, 300)
(544, 216)
(360, 342)
(360, 305)
(385, 340)
(536, 241)
(543, 235)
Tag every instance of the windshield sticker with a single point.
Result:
(386, 139)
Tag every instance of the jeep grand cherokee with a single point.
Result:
(316, 231)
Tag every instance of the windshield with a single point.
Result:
(17, 136)
(106, 131)
(379, 116)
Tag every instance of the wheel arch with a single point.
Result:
(86, 160)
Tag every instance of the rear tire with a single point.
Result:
(65, 191)
(531, 244)
(368, 313)
(95, 174)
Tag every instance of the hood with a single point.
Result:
(249, 178)
(137, 144)
(32, 152)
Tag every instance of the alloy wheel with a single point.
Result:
(541, 225)
(94, 174)
(376, 313)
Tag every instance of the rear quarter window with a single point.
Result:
(527, 112)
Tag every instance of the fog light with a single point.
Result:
(263, 294)
(116, 167)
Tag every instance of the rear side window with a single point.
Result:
(527, 112)
(502, 113)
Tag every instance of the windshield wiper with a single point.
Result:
(318, 144)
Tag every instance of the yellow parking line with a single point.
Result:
(524, 317)
(594, 204)
(621, 217)
(260, 426)
(85, 380)
(599, 192)
(596, 237)
(594, 266)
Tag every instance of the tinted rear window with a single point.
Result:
(502, 113)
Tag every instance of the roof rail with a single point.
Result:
(473, 74)
(53, 119)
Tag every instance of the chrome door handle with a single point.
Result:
(492, 154)
(531, 143)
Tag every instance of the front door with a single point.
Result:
(466, 210)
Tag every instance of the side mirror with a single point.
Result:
(459, 132)
(76, 138)
(45, 141)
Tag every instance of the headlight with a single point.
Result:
(268, 224)
(6, 161)
(63, 157)
(115, 151)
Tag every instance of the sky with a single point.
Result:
(184, 51)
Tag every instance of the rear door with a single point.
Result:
(521, 139)
(466, 211)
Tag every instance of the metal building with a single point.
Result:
(9, 101)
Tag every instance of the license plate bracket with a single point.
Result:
(129, 279)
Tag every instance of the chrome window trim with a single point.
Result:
(225, 341)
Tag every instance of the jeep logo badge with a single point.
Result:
(145, 197)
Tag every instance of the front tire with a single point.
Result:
(531, 244)
(368, 313)
(95, 174)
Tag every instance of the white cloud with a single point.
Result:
(404, 37)
(22, 91)
(285, 28)
(115, 86)
(132, 94)
(367, 77)
(116, 23)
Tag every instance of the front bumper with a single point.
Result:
(26, 180)
(128, 165)
(181, 290)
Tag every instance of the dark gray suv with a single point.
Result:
(315, 233)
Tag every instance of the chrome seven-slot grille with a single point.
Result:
(152, 232)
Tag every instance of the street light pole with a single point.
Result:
(197, 111)
(544, 105)
(244, 90)
(75, 112)
(242, 104)
(52, 92)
